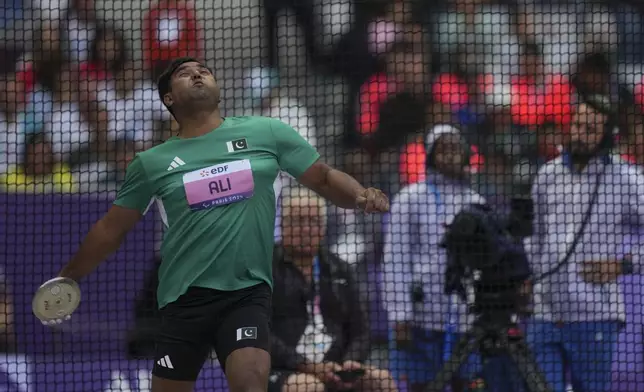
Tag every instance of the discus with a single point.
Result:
(56, 299)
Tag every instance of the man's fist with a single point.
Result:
(372, 200)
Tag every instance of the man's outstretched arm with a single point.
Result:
(299, 159)
(132, 201)
(103, 239)
(342, 190)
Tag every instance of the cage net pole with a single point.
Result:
(530, 107)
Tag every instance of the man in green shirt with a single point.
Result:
(215, 186)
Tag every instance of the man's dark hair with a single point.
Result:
(163, 83)
(600, 102)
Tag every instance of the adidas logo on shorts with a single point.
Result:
(165, 362)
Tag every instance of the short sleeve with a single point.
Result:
(135, 192)
(295, 155)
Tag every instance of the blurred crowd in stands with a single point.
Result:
(75, 108)
(76, 105)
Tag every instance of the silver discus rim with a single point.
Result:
(56, 299)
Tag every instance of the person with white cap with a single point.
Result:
(414, 261)
(427, 323)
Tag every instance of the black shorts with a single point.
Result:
(203, 319)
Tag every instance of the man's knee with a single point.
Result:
(247, 370)
(301, 382)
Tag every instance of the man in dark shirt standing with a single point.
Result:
(319, 321)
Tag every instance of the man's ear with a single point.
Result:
(167, 100)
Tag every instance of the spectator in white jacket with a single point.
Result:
(589, 207)
(414, 266)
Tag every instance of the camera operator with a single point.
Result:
(588, 206)
(415, 264)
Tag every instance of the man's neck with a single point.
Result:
(200, 123)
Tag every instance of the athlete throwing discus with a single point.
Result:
(215, 188)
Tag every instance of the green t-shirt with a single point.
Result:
(216, 194)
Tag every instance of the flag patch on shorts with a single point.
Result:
(246, 333)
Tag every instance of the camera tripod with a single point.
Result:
(497, 338)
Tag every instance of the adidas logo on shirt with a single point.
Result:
(165, 362)
(176, 162)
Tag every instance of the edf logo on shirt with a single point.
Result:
(246, 333)
(214, 170)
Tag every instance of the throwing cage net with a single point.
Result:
(533, 108)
